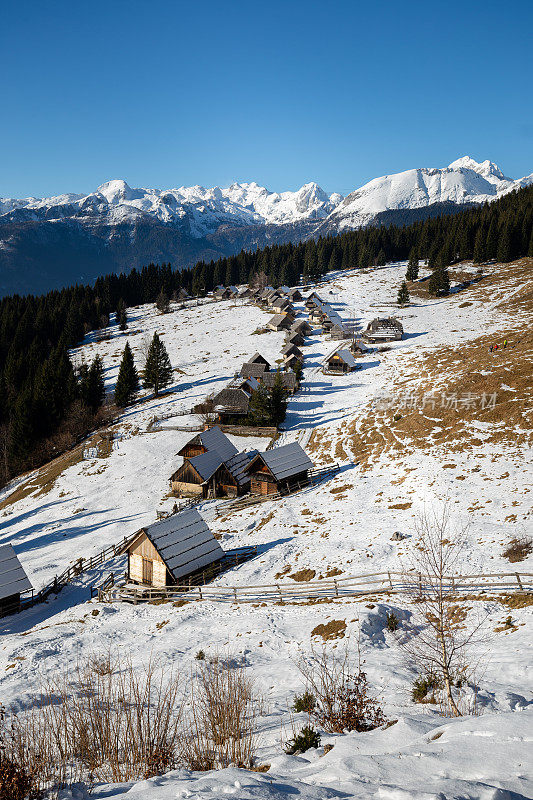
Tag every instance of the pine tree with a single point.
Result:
(503, 252)
(439, 281)
(122, 315)
(412, 266)
(162, 302)
(278, 401)
(259, 407)
(92, 387)
(403, 295)
(128, 381)
(157, 370)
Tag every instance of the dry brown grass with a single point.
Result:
(43, 480)
(334, 629)
(518, 549)
(303, 575)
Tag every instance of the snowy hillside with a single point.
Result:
(391, 468)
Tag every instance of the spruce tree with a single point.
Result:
(403, 295)
(259, 407)
(122, 315)
(92, 387)
(128, 381)
(278, 401)
(503, 252)
(439, 281)
(412, 266)
(157, 370)
(163, 302)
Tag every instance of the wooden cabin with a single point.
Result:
(280, 322)
(170, 551)
(222, 293)
(385, 329)
(13, 580)
(234, 400)
(296, 339)
(279, 470)
(209, 475)
(294, 295)
(341, 362)
(302, 327)
(257, 358)
(290, 382)
(210, 439)
(293, 362)
(282, 306)
(292, 350)
(249, 370)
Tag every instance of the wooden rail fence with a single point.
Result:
(330, 588)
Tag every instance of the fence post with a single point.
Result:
(519, 581)
(390, 580)
(200, 592)
(336, 587)
(280, 593)
(235, 592)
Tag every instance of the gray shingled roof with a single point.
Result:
(206, 464)
(214, 439)
(13, 579)
(346, 356)
(237, 465)
(288, 378)
(257, 358)
(286, 461)
(256, 370)
(184, 542)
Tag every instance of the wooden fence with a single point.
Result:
(330, 588)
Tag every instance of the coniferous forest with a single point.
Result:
(46, 406)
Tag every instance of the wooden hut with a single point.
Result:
(294, 295)
(296, 339)
(170, 551)
(234, 400)
(341, 361)
(257, 358)
(292, 350)
(279, 469)
(302, 327)
(13, 580)
(280, 322)
(293, 362)
(385, 329)
(282, 306)
(249, 370)
(211, 439)
(209, 475)
(290, 382)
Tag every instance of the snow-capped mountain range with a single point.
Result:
(73, 237)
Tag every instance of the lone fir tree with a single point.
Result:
(259, 407)
(412, 266)
(92, 387)
(439, 281)
(157, 370)
(163, 302)
(278, 400)
(122, 315)
(128, 381)
(403, 294)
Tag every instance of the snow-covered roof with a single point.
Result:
(184, 542)
(13, 579)
(237, 465)
(285, 461)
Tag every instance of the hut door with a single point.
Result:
(147, 571)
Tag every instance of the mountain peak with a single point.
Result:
(484, 168)
(117, 191)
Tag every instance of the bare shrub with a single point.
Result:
(105, 721)
(518, 549)
(440, 638)
(224, 715)
(341, 691)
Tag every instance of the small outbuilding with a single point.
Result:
(279, 470)
(13, 580)
(384, 329)
(294, 295)
(292, 350)
(302, 327)
(341, 361)
(172, 550)
(257, 358)
(211, 439)
(296, 339)
(249, 370)
(289, 380)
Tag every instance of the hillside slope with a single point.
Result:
(395, 461)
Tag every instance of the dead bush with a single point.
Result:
(518, 549)
(224, 714)
(342, 693)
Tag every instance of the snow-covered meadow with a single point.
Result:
(343, 524)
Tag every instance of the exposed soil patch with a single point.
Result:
(334, 629)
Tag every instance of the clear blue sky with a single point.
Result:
(165, 94)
